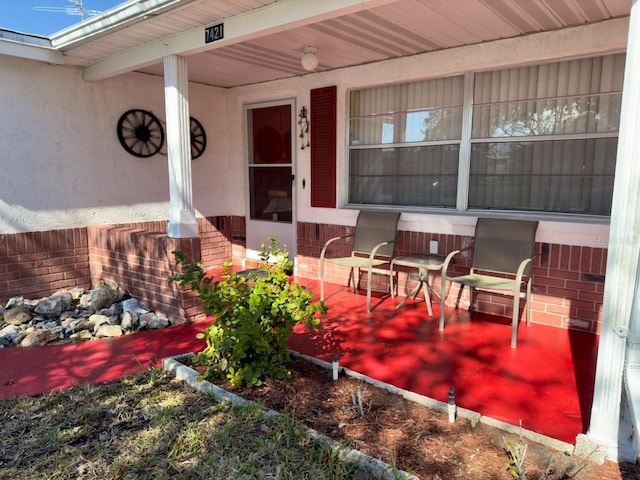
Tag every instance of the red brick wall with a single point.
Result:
(136, 255)
(567, 280)
(238, 239)
(567, 284)
(222, 240)
(141, 261)
(37, 264)
(139, 257)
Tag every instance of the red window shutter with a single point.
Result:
(323, 147)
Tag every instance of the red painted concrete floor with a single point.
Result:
(546, 383)
(35, 370)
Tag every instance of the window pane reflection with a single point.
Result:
(271, 199)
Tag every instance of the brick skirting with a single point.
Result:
(568, 281)
(136, 255)
(36, 264)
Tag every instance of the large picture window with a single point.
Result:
(404, 143)
(540, 138)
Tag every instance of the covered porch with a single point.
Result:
(546, 384)
(214, 60)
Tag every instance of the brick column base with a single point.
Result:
(142, 261)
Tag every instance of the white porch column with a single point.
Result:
(622, 264)
(182, 219)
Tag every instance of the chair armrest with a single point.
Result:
(522, 266)
(450, 257)
(375, 249)
(331, 240)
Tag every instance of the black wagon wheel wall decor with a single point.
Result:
(198, 138)
(140, 133)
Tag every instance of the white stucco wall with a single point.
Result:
(606, 37)
(63, 165)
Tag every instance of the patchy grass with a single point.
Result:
(151, 426)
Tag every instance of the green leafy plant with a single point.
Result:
(254, 314)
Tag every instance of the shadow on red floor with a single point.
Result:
(35, 370)
(546, 383)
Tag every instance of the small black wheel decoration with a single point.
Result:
(140, 133)
(198, 138)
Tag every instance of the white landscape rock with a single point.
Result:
(75, 315)
(107, 330)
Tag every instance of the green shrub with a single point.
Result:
(254, 317)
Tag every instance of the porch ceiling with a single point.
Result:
(264, 39)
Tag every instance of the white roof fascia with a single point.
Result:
(29, 51)
(272, 18)
(112, 20)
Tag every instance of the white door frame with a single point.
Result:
(259, 231)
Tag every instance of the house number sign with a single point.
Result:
(213, 33)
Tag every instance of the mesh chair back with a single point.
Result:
(373, 228)
(500, 245)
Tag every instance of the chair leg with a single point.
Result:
(459, 295)
(515, 319)
(369, 290)
(443, 297)
(391, 281)
(322, 280)
(352, 280)
(413, 293)
(472, 299)
(427, 297)
(528, 305)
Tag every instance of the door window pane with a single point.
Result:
(270, 183)
(271, 135)
(271, 193)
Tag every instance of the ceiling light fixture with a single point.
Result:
(309, 59)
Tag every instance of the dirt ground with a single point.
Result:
(412, 437)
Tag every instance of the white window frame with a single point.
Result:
(464, 165)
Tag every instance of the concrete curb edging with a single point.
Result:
(473, 417)
(377, 467)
